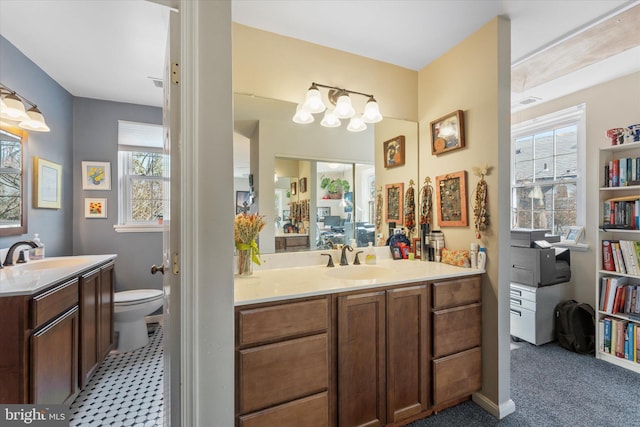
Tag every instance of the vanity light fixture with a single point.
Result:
(12, 108)
(339, 97)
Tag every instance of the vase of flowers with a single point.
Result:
(245, 232)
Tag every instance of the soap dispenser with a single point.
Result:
(370, 256)
(37, 253)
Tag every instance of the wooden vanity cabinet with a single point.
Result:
(283, 363)
(382, 356)
(96, 319)
(457, 338)
(41, 354)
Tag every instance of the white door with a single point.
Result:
(171, 230)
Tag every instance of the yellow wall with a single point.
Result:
(274, 66)
(466, 78)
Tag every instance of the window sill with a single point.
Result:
(139, 228)
(578, 247)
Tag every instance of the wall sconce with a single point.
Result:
(12, 108)
(343, 110)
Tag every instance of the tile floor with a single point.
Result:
(126, 390)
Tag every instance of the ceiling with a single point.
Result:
(112, 49)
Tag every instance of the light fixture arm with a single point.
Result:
(4, 90)
(339, 89)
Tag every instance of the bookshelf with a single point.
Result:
(619, 207)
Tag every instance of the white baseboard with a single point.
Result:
(498, 411)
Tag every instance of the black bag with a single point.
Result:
(575, 326)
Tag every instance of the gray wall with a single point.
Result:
(95, 136)
(19, 73)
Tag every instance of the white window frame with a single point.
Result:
(570, 116)
(125, 158)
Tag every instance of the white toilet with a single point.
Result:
(129, 311)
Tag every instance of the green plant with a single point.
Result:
(334, 185)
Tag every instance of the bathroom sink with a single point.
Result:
(359, 272)
(48, 263)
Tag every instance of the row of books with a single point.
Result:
(617, 296)
(621, 256)
(622, 172)
(620, 338)
(621, 214)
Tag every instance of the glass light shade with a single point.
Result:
(313, 101)
(13, 108)
(356, 125)
(344, 109)
(330, 120)
(35, 121)
(303, 117)
(371, 112)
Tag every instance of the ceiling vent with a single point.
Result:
(157, 82)
(529, 100)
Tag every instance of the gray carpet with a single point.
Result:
(554, 387)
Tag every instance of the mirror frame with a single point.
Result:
(22, 228)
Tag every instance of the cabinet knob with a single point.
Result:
(155, 269)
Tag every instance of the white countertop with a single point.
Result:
(285, 283)
(28, 279)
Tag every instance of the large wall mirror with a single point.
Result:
(315, 185)
(13, 213)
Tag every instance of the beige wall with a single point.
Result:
(274, 66)
(467, 78)
(612, 104)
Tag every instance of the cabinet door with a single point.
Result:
(89, 325)
(457, 329)
(107, 283)
(407, 375)
(361, 360)
(54, 361)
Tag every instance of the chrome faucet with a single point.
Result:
(343, 257)
(9, 258)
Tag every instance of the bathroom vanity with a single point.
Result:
(57, 326)
(365, 345)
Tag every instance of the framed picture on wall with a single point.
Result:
(243, 201)
(96, 175)
(394, 152)
(447, 133)
(95, 208)
(322, 212)
(451, 195)
(394, 193)
(47, 183)
(293, 189)
(303, 185)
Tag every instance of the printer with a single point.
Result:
(534, 262)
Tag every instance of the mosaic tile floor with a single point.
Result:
(126, 390)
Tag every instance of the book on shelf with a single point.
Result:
(601, 335)
(607, 256)
(637, 329)
(622, 172)
(607, 334)
(617, 258)
(608, 292)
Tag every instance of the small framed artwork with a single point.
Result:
(417, 247)
(396, 253)
(95, 208)
(394, 152)
(348, 200)
(405, 252)
(96, 175)
(243, 201)
(286, 214)
(293, 189)
(451, 195)
(447, 133)
(303, 185)
(322, 212)
(47, 183)
(574, 234)
(394, 193)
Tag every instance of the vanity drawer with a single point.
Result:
(49, 304)
(450, 293)
(268, 324)
(314, 410)
(278, 373)
(456, 329)
(457, 375)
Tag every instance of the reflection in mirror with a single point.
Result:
(13, 215)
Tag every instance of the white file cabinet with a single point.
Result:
(532, 311)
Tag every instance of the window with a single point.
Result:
(142, 183)
(547, 188)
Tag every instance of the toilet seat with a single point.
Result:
(136, 296)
